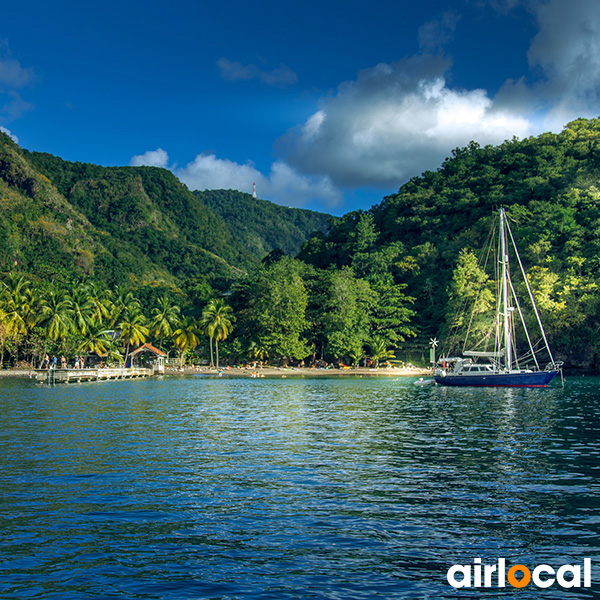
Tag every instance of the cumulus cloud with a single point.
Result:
(13, 77)
(283, 185)
(151, 158)
(395, 121)
(14, 106)
(434, 34)
(282, 76)
(13, 137)
(567, 49)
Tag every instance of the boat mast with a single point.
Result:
(504, 262)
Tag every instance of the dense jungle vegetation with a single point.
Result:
(261, 226)
(379, 283)
(423, 236)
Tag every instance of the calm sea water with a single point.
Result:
(291, 488)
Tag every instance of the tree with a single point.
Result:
(272, 308)
(217, 321)
(82, 308)
(57, 315)
(257, 351)
(471, 302)
(17, 305)
(391, 314)
(97, 340)
(186, 336)
(345, 310)
(379, 351)
(165, 317)
(132, 327)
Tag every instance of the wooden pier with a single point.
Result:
(79, 375)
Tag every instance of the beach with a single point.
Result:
(300, 372)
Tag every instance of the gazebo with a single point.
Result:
(158, 363)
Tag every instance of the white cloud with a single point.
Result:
(14, 107)
(434, 34)
(13, 137)
(567, 49)
(283, 185)
(13, 75)
(152, 158)
(282, 76)
(395, 121)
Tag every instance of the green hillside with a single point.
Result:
(349, 294)
(149, 214)
(550, 186)
(261, 226)
(40, 232)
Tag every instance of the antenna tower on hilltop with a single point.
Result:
(254, 190)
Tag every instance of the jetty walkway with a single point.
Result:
(95, 374)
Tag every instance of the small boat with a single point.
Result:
(501, 366)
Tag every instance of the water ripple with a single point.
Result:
(296, 488)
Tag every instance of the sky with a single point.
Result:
(328, 105)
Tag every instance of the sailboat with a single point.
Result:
(501, 367)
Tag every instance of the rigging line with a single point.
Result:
(524, 326)
(482, 265)
(537, 314)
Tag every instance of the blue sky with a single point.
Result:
(327, 105)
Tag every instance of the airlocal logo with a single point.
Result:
(498, 575)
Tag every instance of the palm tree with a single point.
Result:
(102, 304)
(97, 340)
(131, 327)
(165, 317)
(379, 351)
(57, 311)
(82, 308)
(217, 321)
(258, 351)
(121, 301)
(186, 336)
(356, 355)
(17, 305)
(18, 308)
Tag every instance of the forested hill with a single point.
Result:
(146, 214)
(550, 186)
(262, 226)
(133, 225)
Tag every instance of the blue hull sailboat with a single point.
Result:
(501, 367)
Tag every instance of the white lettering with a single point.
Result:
(477, 573)
(543, 576)
(575, 570)
(487, 578)
(466, 573)
(501, 572)
(543, 583)
(587, 572)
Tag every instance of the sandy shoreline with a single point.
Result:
(267, 372)
(296, 372)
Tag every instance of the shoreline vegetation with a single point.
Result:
(95, 261)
